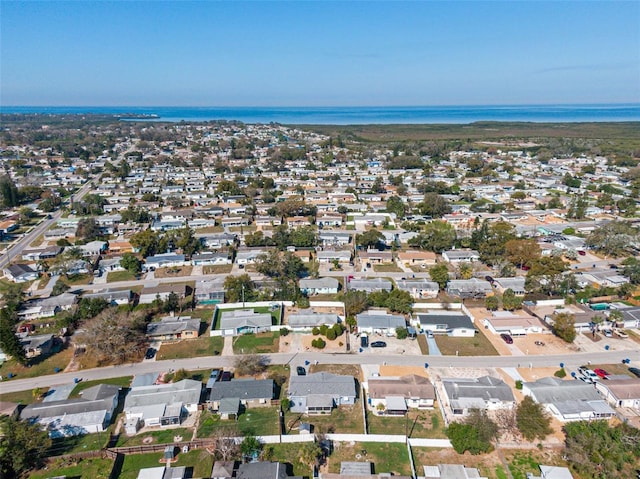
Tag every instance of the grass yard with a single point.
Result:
(521, 462)
(37, 242)
(476, 346)
(38, 367)
(188, 348)
(422, 342)
(289, 455)
(114, 276)
(174, 272)
(387, 268)
(489, 465)
(163, 436)
(387, 457)
(427, 424)
(21, 397)
(93, 468)
(616, 368)
(86, 442)
(198, 460)
(257, 343)
(257, 421)
(123, 382)
(217, 269)
(344, 419)
(76, 279)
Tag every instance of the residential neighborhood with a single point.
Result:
(236, 300)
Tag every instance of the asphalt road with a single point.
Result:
(15, 251)
(571, 362)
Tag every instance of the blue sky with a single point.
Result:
(318, 53)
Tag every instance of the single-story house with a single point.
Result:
(162, 292)
(329, 220)
(37, 344)
(162, 404)
(515, 324)
(335, 238)
(248, 256)
(415, 391)
(92, 412)
(568, 400)
(342, 256)
(469, 288)
(319, 286)
(450, 323)
(376, 257)
(59, 233)
(380, 322)
(461, 395)
(163, 472)
(514, 284)
(250, 392)
(41, 253)
(174, 328)
(93, 248)
(209, 292)
(20, 273)
(451, 471)
(218, 240)
(412, 257)
(306, 319)
(207, 259)
(319, 393)
(263, 470)
(370, 285)
(165, 260)
(242, 321)
(620, 392)
(461, 256)
(113, 297)
(418, 288)
(111, 264)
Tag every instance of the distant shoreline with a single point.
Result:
(388, 115)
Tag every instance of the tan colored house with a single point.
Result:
(412, 257)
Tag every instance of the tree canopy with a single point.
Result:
(23, 446)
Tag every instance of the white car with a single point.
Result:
(588, 373)
(621, 334)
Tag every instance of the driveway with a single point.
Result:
(434, 350)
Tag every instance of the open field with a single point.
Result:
(256, 343)
(387, 268)
(202, 346)
(476, 346)
(217, 269)
(627, 131)
(174, 272)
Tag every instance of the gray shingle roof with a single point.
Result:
(453, 321)
(244, 389)
(322, 383)
(380, 321)
(485, 388)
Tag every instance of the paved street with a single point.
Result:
(571, 361)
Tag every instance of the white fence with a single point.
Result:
(413, 442)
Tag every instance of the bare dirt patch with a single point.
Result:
(175, 272)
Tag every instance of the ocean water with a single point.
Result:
(364, 115)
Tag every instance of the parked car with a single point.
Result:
(364, 341)
(582, 252)
(507, 338)
(613, 266)
(601, 373)
(588, 373)
(301, 371)
(635, 371)
(378, 344)
(215, 375)
(621, 334)
(151, 352)
(607, 333)
(226, 376)
(585, 379)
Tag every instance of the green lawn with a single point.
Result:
(94, 468)
(422, 342)
(387, 457)
(200, 460)
(427, 424)
(163, 436)
(188, 348)
(114, 276)
(123, 382)
(257, 421)
(257, 343)
(476, 346)
(387, 268)
(76, 279)
(21, 397)
(37, 366)
(288, 453)
(344, 419)
(86, 442)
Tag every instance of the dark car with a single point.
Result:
(613, 266)
(364, 341)
(378, 344)
(507, 339)
(582, 252)
(151, 352)
(226, 376)
(301, 371)
(635, 371)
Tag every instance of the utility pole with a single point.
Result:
(243, 296)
